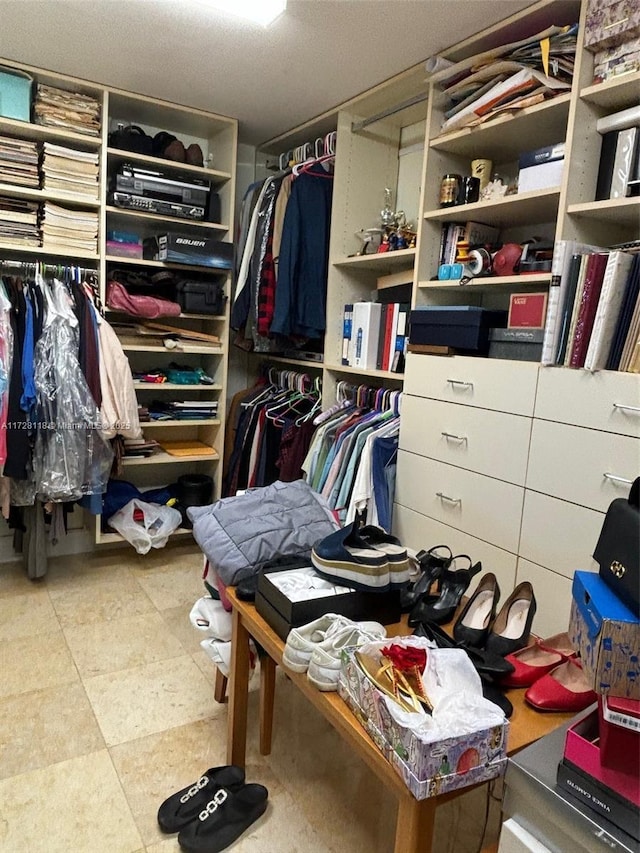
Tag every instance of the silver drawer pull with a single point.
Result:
(626, 408)
(615, 479)
(460, 383)
(447, 498)
(454, 437)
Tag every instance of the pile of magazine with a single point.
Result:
(19, 223)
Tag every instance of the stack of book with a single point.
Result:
(19, 162)
(510, 77)
(67, 110)
(19, 222)
(619, 170)
(140, 448)
(189, 410)
(375, 335)
(593, 317)
(69, 230)
(68, 170)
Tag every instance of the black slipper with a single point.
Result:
(184, 806)
(223, 819)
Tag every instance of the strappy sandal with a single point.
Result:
(453, 585)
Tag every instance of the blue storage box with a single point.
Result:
(15, 94)
(463, 327)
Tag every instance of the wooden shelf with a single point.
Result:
(358, 371)
(521, 209)
(38, 132)
(173, 386)
(217, 317)
(30, 193)
(172, 220)
(182, 348)
(615, 94)
(178, 423)
(535, 125)
(618, 210)
(71, 254)
(216, 177)
(490, 283)
(115, 538)
(282, 359)
(164, 458)
(382, 262)
(165, 265)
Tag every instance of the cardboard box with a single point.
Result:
(541, 177)
(516, 344)
(189, 249)
(527, 311)
(607, 635)
(284, 613)
(463, 327)
(619, 726)
(467, 759)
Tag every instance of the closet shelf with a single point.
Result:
(521, 209)
(535, 125)
(116, 539)
(70, 255)
(173, 386)
(490, 283)
(379, 262)
(218, 317)
(38, 132)
(172, 220)
(183, 348)
(358, 371)
(179, 423)
(216, 177)
(165, 265)
(14, 191)
(282, 359)
(615, 94)
(619, 210)
(163, 458)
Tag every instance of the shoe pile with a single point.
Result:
(213, 812)
(362, 557)
(317, 648)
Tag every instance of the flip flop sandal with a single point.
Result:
(223, 819)
(181, 808)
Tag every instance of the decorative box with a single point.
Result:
(284, 603)
(610, 23)
(619, 726)
(463, 327)
(607, 635)
(428, 769)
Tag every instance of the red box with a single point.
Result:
(619, 725)
(582, 748)
(527, 310)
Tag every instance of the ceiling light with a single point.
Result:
(262, 12)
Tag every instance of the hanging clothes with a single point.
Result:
(6, 358)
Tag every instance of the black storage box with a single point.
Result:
(189, 249)
(201, 297)
(462, 327)
(283, 614)
(516, 344)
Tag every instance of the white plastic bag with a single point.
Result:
(152, 531)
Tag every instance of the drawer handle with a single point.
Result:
(447, 498)
(626, 408)
(460, 383)
(615, 479)
(453, 437)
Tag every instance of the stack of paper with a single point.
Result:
(19, 222)
(67, 110)
(68, 170)
(69, 230)
(190, 410)
(19, 162)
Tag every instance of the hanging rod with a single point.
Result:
(360, 125)
(20, 264)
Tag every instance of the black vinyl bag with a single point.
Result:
(618, 549)
(131, 138)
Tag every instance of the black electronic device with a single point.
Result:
(155, 205)
(165, 186)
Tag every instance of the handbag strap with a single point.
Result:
(634, 494)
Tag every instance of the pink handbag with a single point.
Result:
(149, 307)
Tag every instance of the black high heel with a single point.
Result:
(453, 584)
(472, 625)
(431, 565)
(512, 626)
(487, 665)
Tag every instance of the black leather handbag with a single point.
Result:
(131, 138)
(618, 549)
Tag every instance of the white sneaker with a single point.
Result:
(326, 660)
(303, 640)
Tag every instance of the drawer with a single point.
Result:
(419, 531)
(603, 400)
(574, 529)
(553, 598)
(505, 386)
(471, 438)
(611, 24)
(570, 463)
(481, 506)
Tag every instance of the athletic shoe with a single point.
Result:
(346, 558)
(303, 640)
(326, 660)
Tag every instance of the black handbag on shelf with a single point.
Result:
(618, 549)
(131, 138)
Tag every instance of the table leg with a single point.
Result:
(220, 689)
(415, 824)
(267, 697)
(238, 693)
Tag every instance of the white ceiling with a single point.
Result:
(316, 55)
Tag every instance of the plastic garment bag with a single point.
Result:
(70, 459)
(6, 357)
(145, 525)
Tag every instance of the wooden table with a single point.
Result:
(416, 818)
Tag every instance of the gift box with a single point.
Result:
(288, 598)
(619, 726)
(427, 769)
(606, 634)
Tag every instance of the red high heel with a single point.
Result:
(537, 659)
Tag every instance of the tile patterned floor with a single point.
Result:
(106, 707)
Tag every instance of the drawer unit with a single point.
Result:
(505, 386)
(558, 535)
(492, 443)
(603, 400)
(419, 531)
(583, 466)
(610, 24)
(481, 506)
(553, 597)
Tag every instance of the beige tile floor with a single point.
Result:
(106, 707)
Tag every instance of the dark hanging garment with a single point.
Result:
(18, 443)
